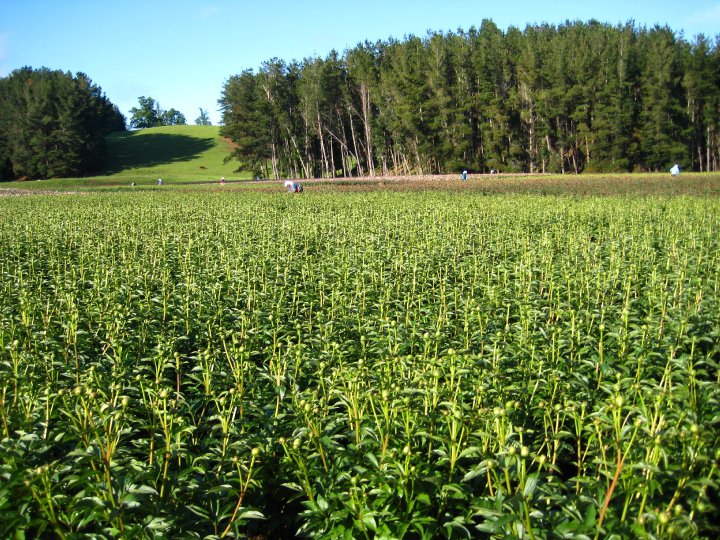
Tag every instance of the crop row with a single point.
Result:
(359, 366)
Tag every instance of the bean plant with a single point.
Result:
(376, 365)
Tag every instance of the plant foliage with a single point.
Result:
(432, 365)
(53, 124)
(556, 99)
(149, 114)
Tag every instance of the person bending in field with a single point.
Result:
(293, 187)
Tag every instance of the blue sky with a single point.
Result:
(181, 52)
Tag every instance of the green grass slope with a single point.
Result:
(177, 154)
(173, 153)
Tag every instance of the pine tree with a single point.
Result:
(662, 126)
(53, 124)
(567, 98)
(245, 122)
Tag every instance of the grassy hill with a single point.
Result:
(177, 154)
(174, 153)
(187, 154)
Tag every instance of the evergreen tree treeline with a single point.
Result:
(53, 124)
(569, 98)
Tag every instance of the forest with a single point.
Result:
(53, 124)
(570, 98)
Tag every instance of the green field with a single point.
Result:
(193, 158)
(174, 153)
(206, 364)
(177, 154)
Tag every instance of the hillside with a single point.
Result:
(175, 153)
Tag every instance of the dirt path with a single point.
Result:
(16, 192)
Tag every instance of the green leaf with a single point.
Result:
(369, 521)
(455, 525)
(590, 517)
(157, 524)
(471, 451)
(496, 525)
(251, 514)
(530, 484)
(471, 475)
(147, 490)
(321, 503)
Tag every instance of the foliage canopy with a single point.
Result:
(569, 98)
(53, 124)
(203, 119)
(150, 114)
(176, 364)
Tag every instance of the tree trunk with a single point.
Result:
(365, 101)
(276, 172)
(707, 148)
(355, 146)
(700, 157)
(323, 152)
(587, 150)
(417, 154)
(344, 149)
(395, 159)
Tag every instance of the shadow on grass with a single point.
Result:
(135, 149)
